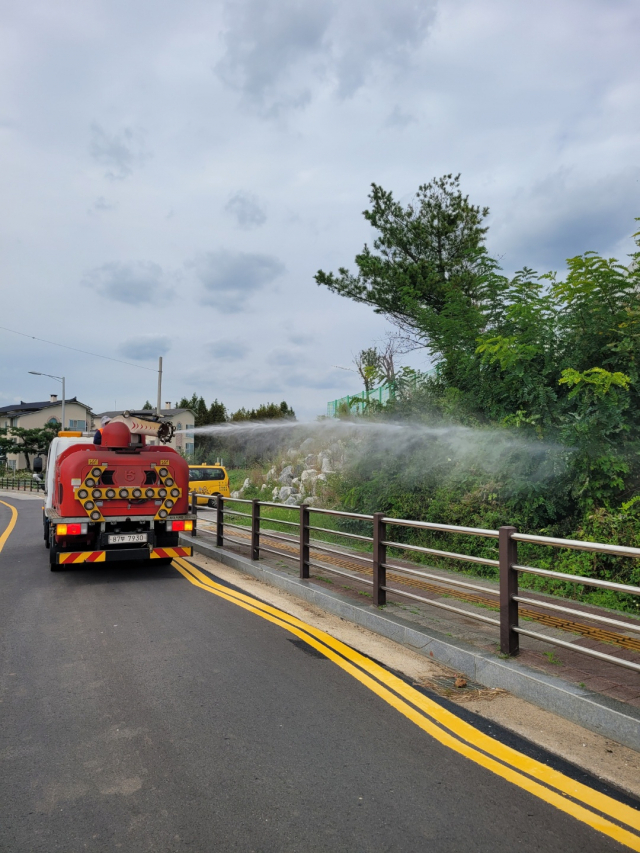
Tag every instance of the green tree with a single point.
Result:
(147, 406)
(31, 441)
(367, 363)
(266, 411)
(198, 407)
(7, 443)
(428, 271)
(217, 413)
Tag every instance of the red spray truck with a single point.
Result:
(121, 500)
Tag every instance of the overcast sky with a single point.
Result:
(174, 173)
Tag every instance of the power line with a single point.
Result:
(84, 351)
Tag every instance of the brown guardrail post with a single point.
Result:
(379, 560)
(194, 510)
(219, 522)
(508, 555)
(255, 529)
(304, 540)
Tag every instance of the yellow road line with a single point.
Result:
(10, 526)
(345, 657)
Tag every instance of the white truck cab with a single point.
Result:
(57, 446)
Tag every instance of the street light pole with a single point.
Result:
(60, 379)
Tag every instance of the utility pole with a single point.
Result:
(159, 404)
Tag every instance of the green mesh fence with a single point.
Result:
(357, 404)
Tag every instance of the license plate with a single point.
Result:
(120, 538)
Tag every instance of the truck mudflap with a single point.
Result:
(69, 557)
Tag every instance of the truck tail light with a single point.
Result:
(179, 525)
(71, 529)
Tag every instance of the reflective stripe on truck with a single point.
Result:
(70, 557)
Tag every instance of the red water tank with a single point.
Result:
(116, 435)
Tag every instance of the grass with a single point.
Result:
(552, 658)
(237, 476)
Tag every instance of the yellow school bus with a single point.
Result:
(208, 481)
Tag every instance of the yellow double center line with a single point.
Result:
(581, 802)
(10, 526)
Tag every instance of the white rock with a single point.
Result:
(293, 500)
(322, 477)
(310, 501)
(308, 474)
(295, 481)
(271, 474)
(235, 494)
(286, 476)
(326, 465)
(275, 493)
(246, 483)
(285, 493)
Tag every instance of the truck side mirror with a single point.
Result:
(37, 465)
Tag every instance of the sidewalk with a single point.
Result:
(603, 681)
(19, 495)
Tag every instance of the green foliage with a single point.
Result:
(367, 363)
(425, 257)
(553, 360)
(198, 407)
(268, 411)
(27, 441)
(7, 444)
(597, 380)
(217, 413)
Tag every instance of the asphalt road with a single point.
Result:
(140, 713)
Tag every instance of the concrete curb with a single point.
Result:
(598, 713)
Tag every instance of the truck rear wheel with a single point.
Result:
(53, 558)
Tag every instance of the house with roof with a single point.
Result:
(37, 415)
(182, 419)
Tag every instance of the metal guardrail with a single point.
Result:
(507, 564)
(21, 485)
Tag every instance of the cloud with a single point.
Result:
(119, 153)
(230, 278)
(101, 205)
(277, 52)
(301, 339)
(228, 350)
(323, 380)
(283, 357)
(564, 215)
(145, 347)
(134, 283)
(399, 119)
(247, 210)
